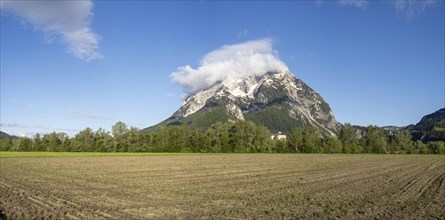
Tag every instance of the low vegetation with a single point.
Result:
(230, 137)
(15, 154)
(223, 186)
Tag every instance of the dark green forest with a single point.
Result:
(229, 137)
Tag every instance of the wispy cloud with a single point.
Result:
(171, 95)
(242, 33)
(86, 115)
(16, 125)
(362, 4)
(408, 9)
(29, 107)
(230, 61)
(20, 134)
(180, 96)
(69, 21)
(318, 2)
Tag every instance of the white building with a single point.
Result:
(278, 136)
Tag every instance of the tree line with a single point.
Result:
(229, 137)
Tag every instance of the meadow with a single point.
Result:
(222, 186)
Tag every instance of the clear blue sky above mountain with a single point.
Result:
(374, 62)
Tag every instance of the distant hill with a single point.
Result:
(3, 135)
(6, 135)
(430, 128)
(432, 121)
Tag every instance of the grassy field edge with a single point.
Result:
(15, 154)
(9, 154)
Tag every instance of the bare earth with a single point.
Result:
(224, 186)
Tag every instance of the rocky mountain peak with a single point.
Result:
(277, 100)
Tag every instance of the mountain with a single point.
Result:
(277, 100)
(391, 129)
(431, 121)
(5, 135)
(430, 128)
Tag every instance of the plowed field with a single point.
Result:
(224, 186)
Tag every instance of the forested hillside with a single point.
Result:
(430, 128)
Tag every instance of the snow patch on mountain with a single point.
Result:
(196, 102)
(254, 93)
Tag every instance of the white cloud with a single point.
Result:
(408, 9)
(20, 134)
(229, 61)
(362, 4)
(16, 125)
(67, 20)
(86, 115)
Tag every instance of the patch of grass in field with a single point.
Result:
(9, 154)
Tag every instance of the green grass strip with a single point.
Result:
(10, 154)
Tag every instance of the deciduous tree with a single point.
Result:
(348, 139)
(374, 140)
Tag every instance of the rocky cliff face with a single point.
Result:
(277, 100)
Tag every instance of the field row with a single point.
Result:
(234, 186)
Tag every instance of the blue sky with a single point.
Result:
(78, 64)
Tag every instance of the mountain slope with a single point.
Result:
(430, 128)
(432, 121)
(3, 135)
(277, 100)
(6, 135)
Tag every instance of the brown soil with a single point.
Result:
(224, 186)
